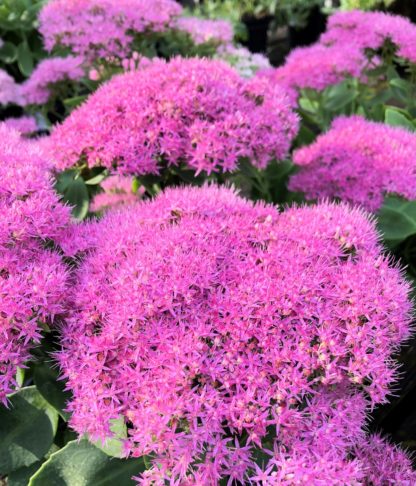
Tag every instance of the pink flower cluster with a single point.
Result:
(358, 161)
(318, 67)
(24, 124)
(369, 30)
(193, 111)
(101, 28)
(9, 89)
(48, 73)
(341, 50)
(207, 30)
(118, 191)
(218, 330)
(32, 278)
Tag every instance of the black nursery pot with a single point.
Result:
(257, 28)
(309, 34)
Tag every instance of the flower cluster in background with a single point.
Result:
(358, 161)
(48, 73)
(102, 28)
(26, 125)
(370, 30)
(317, 67)
(117, 191)
(207, 30)
(33, 279)
(9, 90)
(250, 331)
(197, 112)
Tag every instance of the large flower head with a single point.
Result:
(358, 161)
(317, 67)
(216, 329)
(45, 78)
(9, 89)
(370, 30)
(196, 112)
(117, 191)
(32, 277)
(101, 28)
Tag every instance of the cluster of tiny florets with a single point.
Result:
(196, 112)
(385, 463)
(358, 161)
(370, 30)
(9, 89)
(26, 125)
(32, 278)
(101, 28)
(251, 332)
(206, 30)
(318, 67)
(48, 73)
(117, 191)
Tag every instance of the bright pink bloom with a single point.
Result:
(193, 111)
(214, 327)
(207, 30)
(317, 67)
(9, 90)
(358, 161)
(101, 28)
(40, 86)
(118, 191)
(385, 463)
(32, 278)
(369, 30)
(25, 124)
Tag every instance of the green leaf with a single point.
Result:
(114, 447)
(97, 179)
(397, 219)
(21, 476)
(64, 180)
(52, 389)
(340, 97)
(75, 101)
(27, 430)
(76, 195)
(401, 89)
(135, 185)
(24, 59)
(397, 119)
(20, 376)
(82, 464)
(8, 52)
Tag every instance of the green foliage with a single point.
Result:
(22, 47)
(295, 13)
(387, 97)
(397, 220)
(78, 186)
(364, 4)
(82, 464)
(51, 388)
(235, 9)
(27, 429)
(114, 447)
